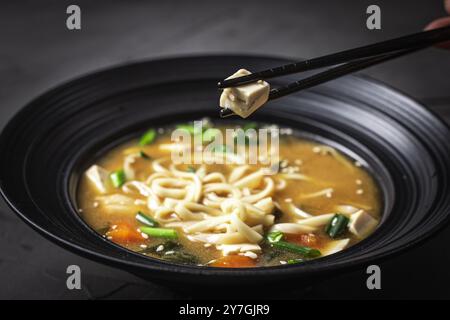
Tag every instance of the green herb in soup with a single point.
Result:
(308, 202)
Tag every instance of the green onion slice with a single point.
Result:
(191, 169)
(250, 125)
(337, 225)
(295, 261)
(306, 252)
(148, 137)
(160, 232)
(142, 154)
(210, 134)
(143, 218)
(117, 178)
(274, 236)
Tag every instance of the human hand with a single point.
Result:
(441, 22)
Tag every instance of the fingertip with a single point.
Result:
(429, 26)
(438, 23)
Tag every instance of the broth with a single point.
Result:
(320, 202)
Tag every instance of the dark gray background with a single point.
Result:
(37, 52)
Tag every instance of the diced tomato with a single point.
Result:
(307, 240)
(234, 261)
(124, 233)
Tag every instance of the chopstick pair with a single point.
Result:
(348, 61)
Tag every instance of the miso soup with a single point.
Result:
(314, 202)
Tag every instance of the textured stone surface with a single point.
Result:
(37, 52)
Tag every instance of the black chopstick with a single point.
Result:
(337, 72)
(423, 39)
(330, 74)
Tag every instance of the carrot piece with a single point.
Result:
(234, 261)
(124, 233)
(307, 240)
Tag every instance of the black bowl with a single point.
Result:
(46, 146)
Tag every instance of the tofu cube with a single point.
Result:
(99, 177)
(362, 224)
(246, 99)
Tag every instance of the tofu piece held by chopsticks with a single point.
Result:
(245, 99)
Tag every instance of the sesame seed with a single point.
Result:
(358, 164)
(170, 252)
(284, 163)
(109, 237)
(289, 200)
(160, 248)
(281, 185)
(283, 262)
(359, 191)
(114, 227)
(298, 162)
(95, 204)
(316, 149)
(358, 181)
(143, 246)
(145, 236)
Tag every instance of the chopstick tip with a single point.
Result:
(225, 113)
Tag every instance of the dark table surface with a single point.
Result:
(37, 52)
